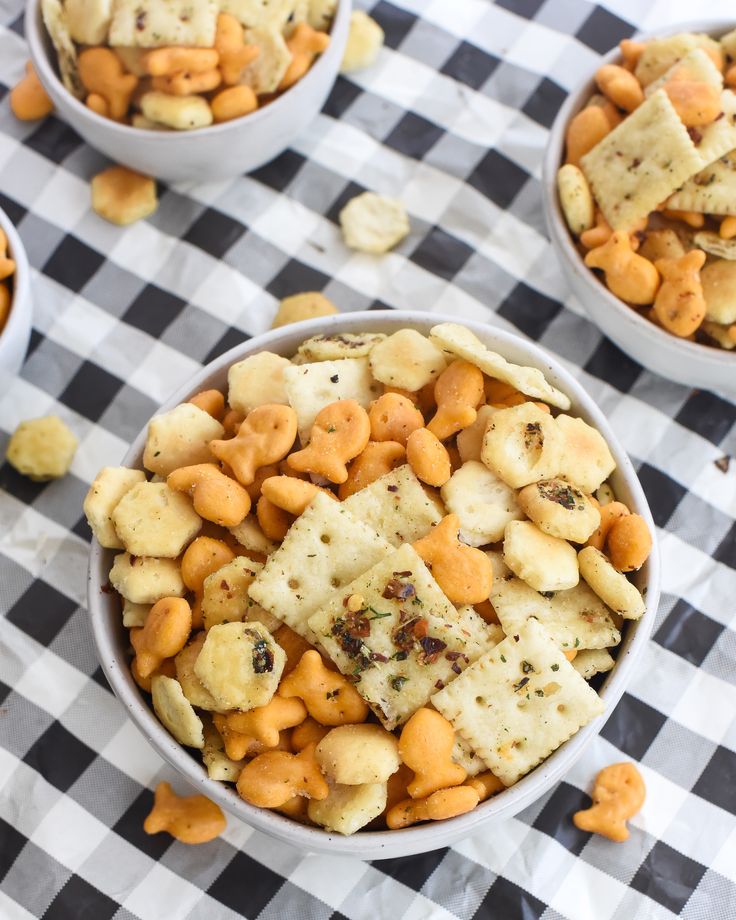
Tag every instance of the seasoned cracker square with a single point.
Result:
(406, 640)
(698, 66)
(325, 548)
(641, 162)
(519, 703)
(396, 506)
(711, 191)
(719, 137)
(154, 24)
(311, 387)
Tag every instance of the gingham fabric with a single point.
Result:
(453, 118)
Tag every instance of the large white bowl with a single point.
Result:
(112, 641)
(17, 331)
(685, 362)
(205, 154)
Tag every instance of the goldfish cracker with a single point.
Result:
(5, 300)
(585, 130)
(233, 102)
(293, 645)
(620, 86)
(210, 401)
(443, 804)
(215, 496)
(696, 102)
(425, 746)
(262, 474)
(291, 494)
(680, 304)
(628, 275)
(610, 513)
(163, 635)
(727, 230)
(304, 44)
(340, 432)
(329, 697)
(295, 808)
(464, 574)
(428, 457)
(265, 723)
(629, 543)
(393, 417)
(273, 778)
(167, 668)
(101, 72)
(661, 244)
(618, 794)
(201, 558)
(274, 521)
(487, 611)
(163, 62)
(309, 732)
(190, 819)
(231, 421)
(458, 391)
(601, 233)
(691, 218)
(184, 83)
(376, 459)
(28, 99)
(631, 51)
(237, 746)
(234, 54)
(730, 76)
(485, 784)
(266, 436)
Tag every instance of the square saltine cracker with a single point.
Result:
(519, 702)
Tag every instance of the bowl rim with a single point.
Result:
(562, 238)
(39, 43)
(20, 300)
(413, 840)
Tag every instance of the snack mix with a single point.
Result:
(371, 586)
(649, 183)
(7, 271)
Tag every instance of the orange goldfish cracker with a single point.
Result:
(266, 436)
(610, 513)
(101, 72)
(696, 102)
(215, 496)
(304, 45)
(628, 276)
(210, 401)
(294, 646)
(393, 417)
(265, 723)
(498, 392)
(234, 54)
(329, 697)
(465, 574)
(376, 459)
(629, 543)
(7, 267)
(727, 230)
(233, 102)
(425, 746)
(231, 421)
(291, 494)
(618, 794)
(485, 784)
(4, 304)
(620, 86)
(691, 218)
(602, 231)
(428, 457)
(295, 808)
(339, 433)
(271, 779)
(274, 521)
(585, 130)
(167, 668)
(456, 461)
(163, 635)
(98, 104)
(184, 83)
(309, 732)
(237, 745)
(730, 77)
(201, 558)
(631, 51)
(262, 474)
(571, 654)
(445, 803)
(191, 818)
(28, 99)
(487, 611)
(458, 391)
(162, 62)
(680, 305)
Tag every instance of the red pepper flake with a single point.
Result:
(456, 667)
(431, 648)
(224, 585)
(439, 684)
(392, 488)
(398, 589)
(107, 588)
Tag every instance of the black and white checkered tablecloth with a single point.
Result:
(453, 119)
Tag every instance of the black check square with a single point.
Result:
(11, 843)
(395, 22)
(130, 827)
(350, 191)
(414, 136)
(279, 172)
(707, 415)
(611, 364)
(442, 254)
(668, 877)
(59, 756)
(529, 310)
(662, 492)
(469, 65)
(554, 818)
(717, 782)
(544, 103)
(726, 550)
(498, 178)
(41, 612)
(16, 212)
(153, 310)
(412, 871)
(5, 692)
(82, 901)
(214, 232)
(688, 633)
(506, 900)
(343, 95)
(602, 30)
(73, 263)
(296, 277)
(91, 390)
(246, 899)
(54, 140)
(633, 726)
(20, 487)
(228, 340)
(526, 8)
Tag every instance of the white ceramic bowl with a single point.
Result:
(112, 641)
(206, 154)
(17, 331)
(685, 362)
